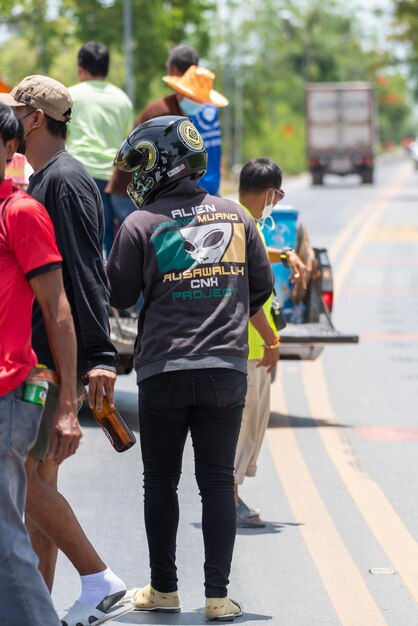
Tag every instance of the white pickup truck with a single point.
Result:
(340, 129)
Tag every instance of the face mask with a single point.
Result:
(266, 212)
(189, 107)
(268, 208)
(21, 148)
(22, 143)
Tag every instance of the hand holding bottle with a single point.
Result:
(101, 382)
(109, 418)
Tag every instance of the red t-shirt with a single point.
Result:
(27, 248)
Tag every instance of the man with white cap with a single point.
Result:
(69, 194)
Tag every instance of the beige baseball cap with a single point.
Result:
(41, 92)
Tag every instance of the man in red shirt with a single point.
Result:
(30, 266)
(73, 202)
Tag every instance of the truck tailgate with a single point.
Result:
(340, 117)
(319, 333)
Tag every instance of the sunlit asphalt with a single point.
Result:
(337, 474)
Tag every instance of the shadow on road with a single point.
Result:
(271, 528)
(335, 185)
(186, 618)
(127, 403)
(277, 420)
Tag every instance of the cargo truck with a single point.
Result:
(340, 129)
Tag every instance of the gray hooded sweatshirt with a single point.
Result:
(202, 270)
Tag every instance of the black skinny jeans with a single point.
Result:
(209, 403)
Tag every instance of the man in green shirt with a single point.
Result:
(102, 116)
(259, 191)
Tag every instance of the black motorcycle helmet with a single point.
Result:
(159, 152)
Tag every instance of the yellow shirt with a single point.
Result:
(255, 340)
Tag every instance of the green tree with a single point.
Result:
(267, 52)
(263, 53)
(49, 30)
(41, 35)
(394, 107)
(406, 14)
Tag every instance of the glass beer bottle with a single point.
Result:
(114, 427)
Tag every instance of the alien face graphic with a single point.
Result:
(207, 243)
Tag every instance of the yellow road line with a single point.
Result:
(357, 230)
(383, 521)
(394, 232)
(342, 580)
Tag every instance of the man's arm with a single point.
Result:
(262, 326)
(260, 275)
(79, 250)
(124, 270)
(296, 264)
(49, 292)
(31, 238)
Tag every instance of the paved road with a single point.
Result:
(337, 473)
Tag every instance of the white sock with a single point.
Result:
(95, 587)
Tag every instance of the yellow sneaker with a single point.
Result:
(149, 599)
(222, 609)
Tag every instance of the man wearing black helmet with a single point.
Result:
(202, 269)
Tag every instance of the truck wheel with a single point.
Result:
(367, 177)
(317, 177)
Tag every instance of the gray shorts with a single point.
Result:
(41, 447)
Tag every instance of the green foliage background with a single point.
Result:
(263, 53)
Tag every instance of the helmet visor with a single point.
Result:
(128, 158)
(140, 188)
(136, 196)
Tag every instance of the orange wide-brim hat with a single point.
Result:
(196, 83)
